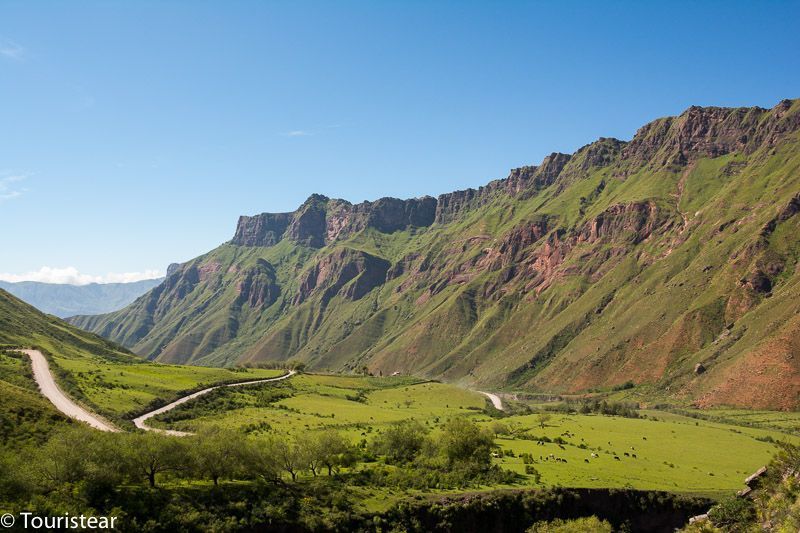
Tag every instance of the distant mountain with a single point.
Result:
(67, 300)
(671, 261)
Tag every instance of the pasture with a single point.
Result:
(660, 451)
(116, 388)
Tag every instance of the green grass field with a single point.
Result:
(116, 388)
(672, 452)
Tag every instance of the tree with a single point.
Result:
(262, 459)
(60, 460)
(289, 456)
(543, 419)
(462, 441)
(498, 428)
(401, 442)
(150, 454)
(311, 453)
(335, 451)
(217, 453)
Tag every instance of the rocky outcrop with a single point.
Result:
(535, 252)
(334, 273)
(257, 286)
(390, 214)
(521, 182)
(265, 229)
(507, 252)
(308, 226)
(623, 223)
(710, 132)
(321, 220)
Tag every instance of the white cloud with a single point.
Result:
(71, 276)
(11, 50)
(9, 188)
(317, 130)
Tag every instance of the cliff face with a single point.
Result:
(320, 221)
(265, 229)
(625, 261)
(711, 132)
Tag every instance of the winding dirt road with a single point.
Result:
(44, 378)
(139, 422)
(49, 389)
(496, 401)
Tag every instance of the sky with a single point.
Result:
(134, 134)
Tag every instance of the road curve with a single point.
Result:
(44, 378)
(496, 401)
(139, 422)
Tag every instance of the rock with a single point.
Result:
(321, 220)
(257, 286)
(709, 132)
(521, 182)
(333, 273)
(265, 229)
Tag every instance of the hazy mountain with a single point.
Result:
(670, 261)
(67, 300)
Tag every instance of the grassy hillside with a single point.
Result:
(98, 373)
(670, 261)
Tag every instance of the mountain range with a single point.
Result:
(667, 263)
(63, 300)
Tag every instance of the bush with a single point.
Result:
(732, 514)
(402, 442)
(591, 524)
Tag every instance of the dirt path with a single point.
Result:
(496, 401)
(44, 378)
(139, 422)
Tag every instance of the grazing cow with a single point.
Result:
(594, 455)
(634, 456)
(626, 454)
(644, 438)
(586, 460)
(616, 458)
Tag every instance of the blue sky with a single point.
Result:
(134, 134)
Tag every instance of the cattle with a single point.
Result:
(616, 458)
(586, 460)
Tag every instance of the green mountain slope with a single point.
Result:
(670, 261)
(23, 325)
(67, 300)
(25, 415)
